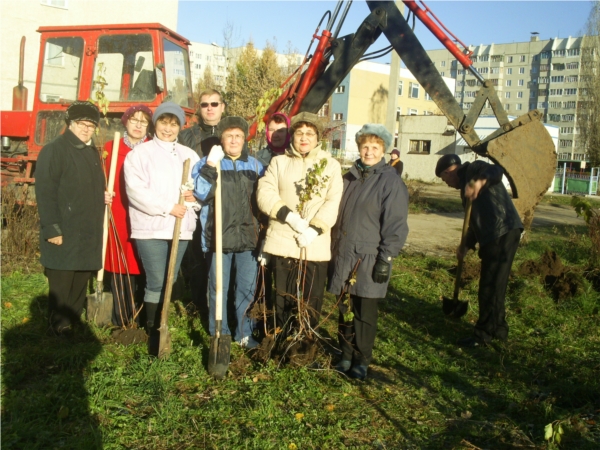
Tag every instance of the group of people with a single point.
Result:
(289, 208)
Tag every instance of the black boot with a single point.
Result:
(151, 309)
(152, 327)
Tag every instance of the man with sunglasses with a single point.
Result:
(201, 136)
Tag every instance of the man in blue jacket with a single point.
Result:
(495, 225)
(239, 177)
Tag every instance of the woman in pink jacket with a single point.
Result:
(153, 172)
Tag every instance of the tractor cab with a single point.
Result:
(115, 66)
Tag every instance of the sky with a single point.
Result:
(473, 22)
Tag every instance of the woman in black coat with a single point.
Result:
(371, 227)
(70, 194)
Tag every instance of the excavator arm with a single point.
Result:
(522, 147)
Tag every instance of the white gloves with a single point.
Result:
(294, 220)
(305, 239)
(189, 186)
(216, 155)
(263, 258)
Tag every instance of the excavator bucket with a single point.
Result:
(528, 156)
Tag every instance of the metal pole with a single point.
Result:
(390, 117)
(562, 189)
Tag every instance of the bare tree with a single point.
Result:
(588, 108)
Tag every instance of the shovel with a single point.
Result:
(220, 346)
(453, 306)
(164, 343)
(100, 305)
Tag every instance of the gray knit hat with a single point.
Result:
(169, 108)
(229, 122)
(307, 117)
(375, 129)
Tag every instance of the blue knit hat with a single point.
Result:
(375, 129)
(169, 108)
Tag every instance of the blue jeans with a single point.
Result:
(154, 254)
(246, 268)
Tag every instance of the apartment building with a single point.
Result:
(362, 98)
(539, 74)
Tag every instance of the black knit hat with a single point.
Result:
(446, 161)
(232, 122)
(83, 110)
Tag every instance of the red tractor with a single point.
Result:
(113, 65)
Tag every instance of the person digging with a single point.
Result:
(494, 225)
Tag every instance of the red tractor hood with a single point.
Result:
(15, 124)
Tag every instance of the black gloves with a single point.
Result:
(381, 271)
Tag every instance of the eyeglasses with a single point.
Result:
(213, 104)
(134, 121)
(85, 126)
(309, 135)
(234, 137)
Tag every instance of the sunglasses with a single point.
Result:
(213, 104)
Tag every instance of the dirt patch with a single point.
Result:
(562, 282)
(129, 337)
(593, 276)
(293, 351)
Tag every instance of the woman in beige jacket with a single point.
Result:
(294, 226)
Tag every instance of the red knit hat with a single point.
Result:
(132, 110)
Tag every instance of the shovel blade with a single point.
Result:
(454, 307)
(99, 309)
(218, 356)
(164, 343)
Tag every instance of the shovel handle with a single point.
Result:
(218, 254)
(173, 256)
(463, 237)
(109, 188)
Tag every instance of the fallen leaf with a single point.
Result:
(25, 320)
(63, 412)
(299, 416)
(329, 407)
(292, 446)
(466, 414)
(7, 305)
(255, 379)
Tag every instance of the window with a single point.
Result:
(532, 94)
(532, 106)
(569, 105)
(483, 70)
(412, 112)
(507, 107)
(507, 95)
(555, 105)
(338, 116)
(571, 79)
(571, 91)
(340, 89)
(522, 58)
(460, 83)
(178, 89)
(442, 73)
(63, 4)
(557, 79)
(545, 55)
(414, 90)
(400, 84)
(471, 94)
(543, 79)
(566, 130)
(508, 83)
(461, 71)
(519, 106)
(573, 52)
(534, 70)
(458, 95)
(568, 117)
(427, 113)
(198, 66)
(558, 53)
(559, 66)
(566, 143)
(572, 65)
(520, 94)
(495, 70)
(543, 92)
(422, 147)
(509, 71)
(54, 56)
(443, 63)
(535, 58)
(427, 96)
(542, 105)
(554, 117)
(521, 70)
(544, 66)
(556, 92)
(521, 82)
(497, 58)
(484, 58)
(398, 113)
(467, 105)
(509, 59)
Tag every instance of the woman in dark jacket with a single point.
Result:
(370, 231)
(70, 192)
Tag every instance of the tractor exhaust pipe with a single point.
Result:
(20, 91)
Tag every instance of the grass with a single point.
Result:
(423, 392)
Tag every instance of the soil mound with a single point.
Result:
(562, 282)
(129, 337)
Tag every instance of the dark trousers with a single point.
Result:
(357, 336)
(285, 271)
(195, 270)
(496, 261)
(67, 296)
(128, 296)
